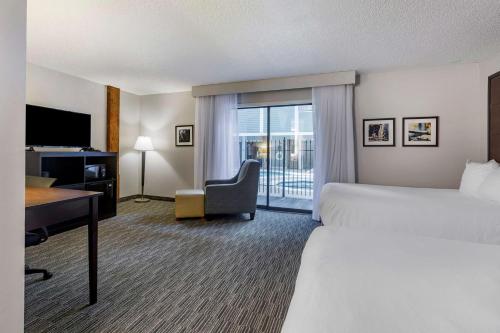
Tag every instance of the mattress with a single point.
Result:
(371, 281)
(428, 212)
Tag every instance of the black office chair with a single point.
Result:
(38, 236)
(32, 239)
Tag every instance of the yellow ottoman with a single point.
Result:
(189, 203)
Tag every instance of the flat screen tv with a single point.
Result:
(56, 128)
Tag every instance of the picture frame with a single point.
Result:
(420, 131)
(379, 132)
(184, 135)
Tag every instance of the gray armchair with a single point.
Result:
(235, 195)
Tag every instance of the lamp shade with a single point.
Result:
(143, 143)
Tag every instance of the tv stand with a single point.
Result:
(69, 169)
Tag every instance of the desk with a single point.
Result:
(48, 206)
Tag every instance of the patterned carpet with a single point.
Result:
(159, 275)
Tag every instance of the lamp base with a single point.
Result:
(142, 200)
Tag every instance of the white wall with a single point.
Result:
(46, 87)
(50, 88)
(456, 93)
(130, 106)
(12, 128)
(450, 92)
(168, 167)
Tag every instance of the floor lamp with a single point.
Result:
(143, 144)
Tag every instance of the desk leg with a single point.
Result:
(93, 250)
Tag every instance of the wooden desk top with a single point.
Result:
(39, 196)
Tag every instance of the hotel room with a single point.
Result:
(250, 166)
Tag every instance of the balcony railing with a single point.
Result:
(290, 165)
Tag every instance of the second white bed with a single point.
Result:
(420, 211)
(365, 281)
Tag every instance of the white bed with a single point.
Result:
(370, 281)
(421, 211)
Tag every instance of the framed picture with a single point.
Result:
(379, 132)
(184, 135)
(420, 132)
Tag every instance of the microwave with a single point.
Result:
(95, 171)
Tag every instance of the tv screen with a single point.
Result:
(56, 128)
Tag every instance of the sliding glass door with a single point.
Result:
(291, 158)
(281, 138)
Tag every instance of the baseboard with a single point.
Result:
(151, 197)
(127, 198)
(154, 197)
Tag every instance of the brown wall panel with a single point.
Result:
(494, 117)
(113, 128)
(495, 90)
(113, 124)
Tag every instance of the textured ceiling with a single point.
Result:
(153, 46)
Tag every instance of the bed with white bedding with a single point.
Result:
(440, 213)
(371, 281)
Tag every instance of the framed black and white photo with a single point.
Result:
(184, 135)
(379, 132)
(420, 132)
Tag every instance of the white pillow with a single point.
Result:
(490, 188)
(474, 175)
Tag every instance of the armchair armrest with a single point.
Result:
(214, 190)
(220, 181)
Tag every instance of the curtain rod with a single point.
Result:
(284, 83)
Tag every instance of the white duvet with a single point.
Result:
(361, 281)
(421, 211)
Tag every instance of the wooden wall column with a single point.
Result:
(494, 117)
(113, 129)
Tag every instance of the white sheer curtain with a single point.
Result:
(334, 138)
(216, 134)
